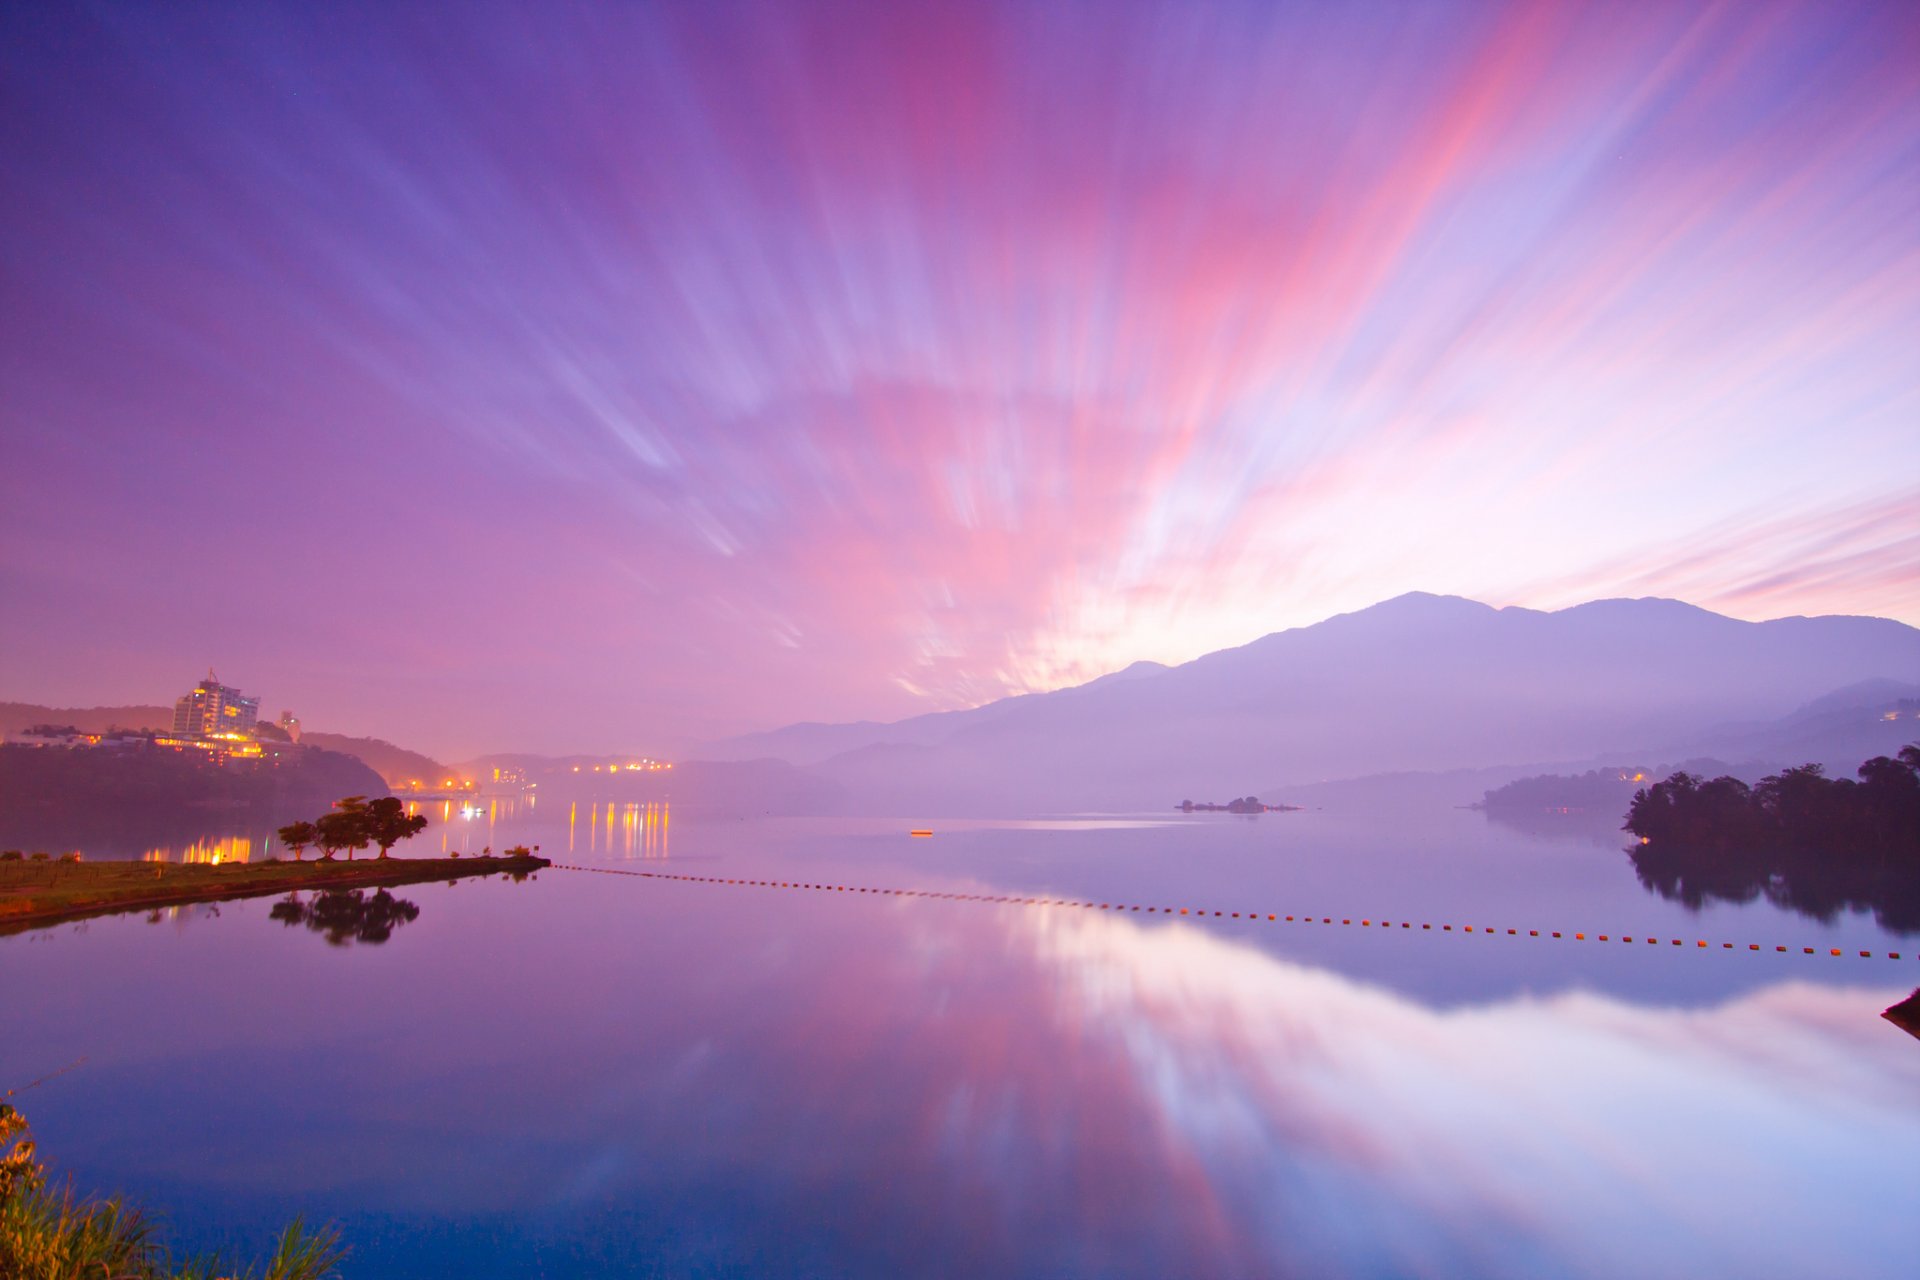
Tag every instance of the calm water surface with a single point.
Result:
(590, 1074)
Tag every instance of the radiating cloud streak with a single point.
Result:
(842, 360)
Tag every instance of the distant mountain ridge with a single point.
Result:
(1416, 683)
(395, 764)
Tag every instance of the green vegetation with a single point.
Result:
(55, 1234)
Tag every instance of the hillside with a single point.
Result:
(396, 765)
(1417, 683)
(15, 716)
(125, 801)
(1863, 720)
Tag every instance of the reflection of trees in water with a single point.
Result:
(1816, 844)
(347, 915)
(1820, 884)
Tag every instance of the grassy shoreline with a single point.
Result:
(36, 894)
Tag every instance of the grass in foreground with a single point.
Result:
(47, 892)
(49, 1234)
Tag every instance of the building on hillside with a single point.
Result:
(63, 736)
(215, 710)
(290, 723)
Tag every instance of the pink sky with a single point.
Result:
(613, 379)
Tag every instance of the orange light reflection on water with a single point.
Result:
(231, 849)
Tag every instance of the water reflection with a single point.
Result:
(1597, 827)
(1821, 886)
(215, 852)
(344, 916)
(150, 833)
(1435, 1131)
(632, 830)
(883, 1087)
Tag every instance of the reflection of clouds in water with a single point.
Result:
(703, 1079)
(1702, 1138)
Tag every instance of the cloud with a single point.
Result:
(974, 349)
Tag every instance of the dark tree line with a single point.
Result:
(1597, 789)
(355, 823)
(1813, 843)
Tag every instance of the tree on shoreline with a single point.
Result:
(347, 827)
(389, 823)
(297, 836)
(1798, 810)
(1815, 844)
(355, 823)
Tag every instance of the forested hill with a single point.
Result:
(51, 798)
(396, 765)
(18, 716)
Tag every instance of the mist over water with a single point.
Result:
(705, 1078)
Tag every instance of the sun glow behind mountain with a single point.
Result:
(759, 363)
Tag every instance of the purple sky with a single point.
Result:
(608, 377)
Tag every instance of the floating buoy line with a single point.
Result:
(1271, 917)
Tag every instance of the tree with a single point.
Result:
(348, 827)
(389, 822)
(297, 836)
(1890, 794)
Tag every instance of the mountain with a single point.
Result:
(1417, 683)
(1838, 731)
(1866, 719)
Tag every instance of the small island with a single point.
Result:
(1244, 804)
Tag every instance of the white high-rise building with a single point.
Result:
(215, 710)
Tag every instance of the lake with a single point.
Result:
(594, 1073)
